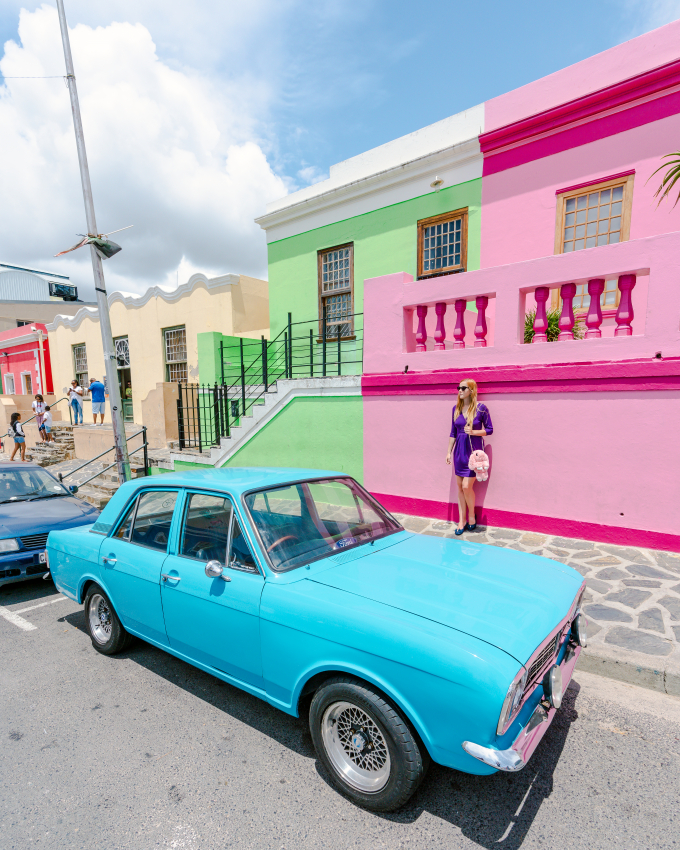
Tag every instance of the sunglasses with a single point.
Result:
(460, 389)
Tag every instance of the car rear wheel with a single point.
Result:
(365, 744)
(106, 632)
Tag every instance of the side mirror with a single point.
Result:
(213, 569)
(73, 489)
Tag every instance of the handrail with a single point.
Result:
(92, 459)
(111, 465)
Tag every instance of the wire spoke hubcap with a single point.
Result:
(356, 747)
(100, 618)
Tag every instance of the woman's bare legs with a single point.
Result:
(468, 489)
(462, 502)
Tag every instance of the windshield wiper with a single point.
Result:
(48, 496)
(14, 499)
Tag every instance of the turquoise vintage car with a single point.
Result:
(297, 586)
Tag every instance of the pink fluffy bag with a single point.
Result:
(479, 463)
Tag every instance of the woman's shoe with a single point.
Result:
(459, 531)
(469, 527)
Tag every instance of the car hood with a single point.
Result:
(506, 598)
(19, 518)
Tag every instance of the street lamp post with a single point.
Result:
(122, 459)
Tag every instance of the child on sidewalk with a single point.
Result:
(16, 431)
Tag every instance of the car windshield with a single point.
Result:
(302, 522)
(21, 484)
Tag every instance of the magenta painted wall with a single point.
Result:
(519, 204)
(583, 457)
(605, 69)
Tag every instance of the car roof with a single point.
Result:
(12, 464)
(237, 479)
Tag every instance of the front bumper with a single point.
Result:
(517, 756)
(21, 565)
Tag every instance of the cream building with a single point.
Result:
(155, 334)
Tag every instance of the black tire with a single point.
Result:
(103, 626)
(391, 764)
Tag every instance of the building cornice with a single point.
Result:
(646, 86)
(450, 157)
(213, 284)
(24, 339)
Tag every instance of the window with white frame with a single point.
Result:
(336, 284)
(175, 342)
(122, 352)
(80, 365)
(9, 384)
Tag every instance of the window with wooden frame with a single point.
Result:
(80, 365)
(336, 291)
(594, 215)
(175, 344)
(442, 244)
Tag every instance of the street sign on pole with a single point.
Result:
(122, 459)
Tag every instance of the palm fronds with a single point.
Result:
(553, 330)
(671, 176)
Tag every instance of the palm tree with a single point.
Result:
(671, 177)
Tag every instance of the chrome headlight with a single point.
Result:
(552, 686)
(512, 701)
(579, 629)
(9, 544)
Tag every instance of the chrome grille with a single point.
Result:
(541, 661)
(34, 541)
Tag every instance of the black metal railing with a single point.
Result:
(317, 348)
(143, 447)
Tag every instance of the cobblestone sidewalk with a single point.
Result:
(632, 599)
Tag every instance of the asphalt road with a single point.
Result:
(142, 751)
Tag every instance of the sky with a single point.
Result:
(198, 114)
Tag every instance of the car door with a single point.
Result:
(214, 619)
(132, 559)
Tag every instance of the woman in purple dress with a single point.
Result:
(470, 424)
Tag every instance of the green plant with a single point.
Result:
(553, 331)
(670, 178)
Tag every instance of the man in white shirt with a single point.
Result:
(75, 395)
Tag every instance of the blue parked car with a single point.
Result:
(33, 503)
(298, 587)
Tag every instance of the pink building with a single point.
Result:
(585, 430)
(25, 361)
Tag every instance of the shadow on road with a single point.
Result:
(489, 810)
(34, 590)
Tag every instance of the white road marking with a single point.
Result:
(11, 617)
(42, 604)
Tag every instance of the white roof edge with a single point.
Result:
(452, 155)
(182, 291)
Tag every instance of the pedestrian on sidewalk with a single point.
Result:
(75, 396)
(97, 391)
(16, 430)
(46, 427)
(39, 410)
(471, 422)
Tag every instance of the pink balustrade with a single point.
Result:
(478, 318)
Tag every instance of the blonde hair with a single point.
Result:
(472, 409)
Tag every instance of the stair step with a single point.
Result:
(94, 496)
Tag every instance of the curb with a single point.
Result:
(632, 668)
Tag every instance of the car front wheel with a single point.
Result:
(105, 629)
(366, 745)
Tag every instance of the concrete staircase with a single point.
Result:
(63, 447)
(279, 395)
(99, 491)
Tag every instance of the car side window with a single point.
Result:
(205, 531)
(123, 531)
(153, 519)
(240, 556)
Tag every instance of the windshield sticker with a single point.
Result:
(57, 488)
(346, 541)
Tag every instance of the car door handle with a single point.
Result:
(111, 561)
(165, 577)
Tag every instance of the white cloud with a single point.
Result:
(170, 151)
(650, 14)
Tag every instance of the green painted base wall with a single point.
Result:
(385, 242)
(319, 433)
